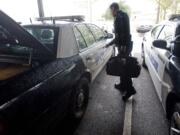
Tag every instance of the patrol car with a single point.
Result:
(45, 71)
(161, 55)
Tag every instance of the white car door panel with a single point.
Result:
(102, 53)
(90, 59)
(154, 67)
(152, 60)
(92, 47)
(93, 55)
(164, 55)
(156, 60)
(86, 49)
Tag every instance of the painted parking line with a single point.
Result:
(128, 117)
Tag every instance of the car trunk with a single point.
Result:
(10, 70)
(18, 49)
(20, 52)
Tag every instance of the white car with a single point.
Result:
(161, 55)
(76, 37)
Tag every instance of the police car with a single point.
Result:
(161, 55)
(45, 71)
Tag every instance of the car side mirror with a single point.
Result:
(109, 35)
(162, 44)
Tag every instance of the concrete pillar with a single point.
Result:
(40, 8)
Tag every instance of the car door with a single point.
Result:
(152, 58)
(103, 53)
(163, 56)
(147, 41)
(88, 52)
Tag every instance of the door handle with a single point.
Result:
(152, 47)
(88, 58)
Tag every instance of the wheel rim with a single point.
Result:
(174, 129)
(80, 99)
(80, 103)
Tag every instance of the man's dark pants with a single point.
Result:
(125, 81)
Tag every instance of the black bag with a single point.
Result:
(123, 66)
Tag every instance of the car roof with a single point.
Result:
(175, 24)
(171, 22)
(65, 40)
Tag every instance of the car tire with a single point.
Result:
(173, 123)
(79, 99)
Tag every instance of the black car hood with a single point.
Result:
(20, 34)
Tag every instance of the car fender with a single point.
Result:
(32, 103)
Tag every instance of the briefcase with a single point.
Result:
(123, 66)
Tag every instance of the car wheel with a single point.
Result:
(174, 128)
(143, 58)
(79, 99)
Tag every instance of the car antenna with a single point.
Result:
(53, 21)
(30, 20)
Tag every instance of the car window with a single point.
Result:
(86, 33)
(45, 35)
(167, 33)
(97, 32)
(80, 40)
(155, 32)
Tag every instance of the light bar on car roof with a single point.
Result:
(75, 18)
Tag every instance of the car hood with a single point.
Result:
(20, 35)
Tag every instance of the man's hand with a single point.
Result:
(111, 43)
(107, 45)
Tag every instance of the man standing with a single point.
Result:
(124, 44)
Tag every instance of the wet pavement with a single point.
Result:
(148, 117)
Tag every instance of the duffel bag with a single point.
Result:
(123, 66)
(115, 66)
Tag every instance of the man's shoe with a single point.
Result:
(119, 87)
(128, 95)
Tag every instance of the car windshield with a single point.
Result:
(46, 35)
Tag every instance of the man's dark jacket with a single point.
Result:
(122, 30)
